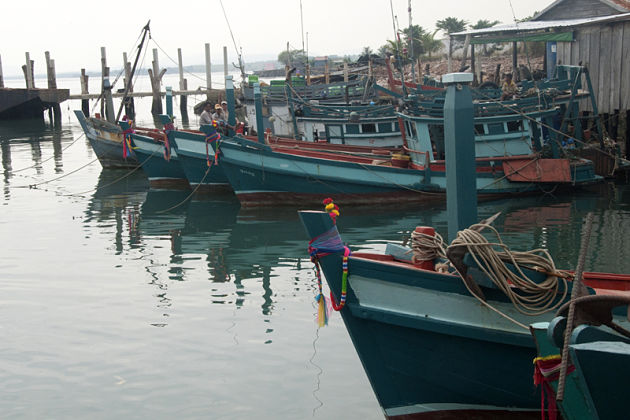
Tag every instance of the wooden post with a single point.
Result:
(450, 54)
(183, 85)
(28, 72)
(225, 62)
(345, 72)
(208, 71)
(515, 74)
(109, 102)
(326, 72)
(85, 103)
(104, 74)
(370, 69)
(308, 74)
(52, 84)
(497, 75)
(130, 109)
(1, 78)
(419, 73)
(465, 52)
(156, 78)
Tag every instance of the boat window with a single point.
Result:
(496, 128)
(368, 128)
(384, 127)
(513, 126)
(396, 127)
(479, 129)
(352, 128)
(411, 129)
(436, 133)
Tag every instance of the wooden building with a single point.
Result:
(593, 33)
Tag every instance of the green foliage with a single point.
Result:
(451, 25)
(292, 57)
(484, 23)
(430, 43)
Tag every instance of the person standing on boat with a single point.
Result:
(509, 88)
(206, 115)
(219, 117)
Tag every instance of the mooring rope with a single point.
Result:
(52, 157)
(426, 247)
(189, 195)
(529, 297)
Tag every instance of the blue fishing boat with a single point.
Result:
(441, 333)
(106, 140)
(364, 125)
(507, 163)
(598, 374)
(159, 160)
(196, 152)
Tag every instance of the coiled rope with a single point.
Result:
(426, 247)
(529, 297)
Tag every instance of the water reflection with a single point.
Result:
(211, 238)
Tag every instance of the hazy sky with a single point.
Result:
(73, 31)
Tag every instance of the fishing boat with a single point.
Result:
(196, 151)
(106, 139)
(365, 125)
(507, 163)
(154, 153)
(443, 333)
(598, 375)
(104, 134)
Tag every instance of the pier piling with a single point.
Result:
(183, 85)
(208, 71)
(130, 109)
(104, 75)
(85, 103)
(1, 78)
(156, 75)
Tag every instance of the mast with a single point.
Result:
(145, 30)
(413, 66)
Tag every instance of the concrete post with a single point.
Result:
(229, 97)
(459, 142)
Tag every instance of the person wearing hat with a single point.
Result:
(219, 117)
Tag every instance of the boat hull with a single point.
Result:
(264, 175)
(162, 173)
(106, 141)
(194, 158)
(429, 348)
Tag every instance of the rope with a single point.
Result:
(529, 298)
(189, 195)
(34, 186)
(52, 157)
(426, 247)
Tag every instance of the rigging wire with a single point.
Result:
(238, 54)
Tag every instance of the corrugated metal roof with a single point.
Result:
(543, 24)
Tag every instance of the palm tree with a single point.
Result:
(450, 25)
(430, 43)
(482, 24)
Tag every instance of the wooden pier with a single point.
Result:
(31, 102)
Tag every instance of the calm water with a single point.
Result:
(112, 308)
